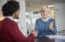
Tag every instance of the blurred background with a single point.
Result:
(29, 12)
(33, 7)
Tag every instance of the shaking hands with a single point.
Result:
(34, 33)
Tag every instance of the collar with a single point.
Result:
(45, 20)
(11, 18)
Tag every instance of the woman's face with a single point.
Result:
(44, 13)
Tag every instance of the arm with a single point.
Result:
(31, 38)
(36, 25)
(16, 34)
(53, 27)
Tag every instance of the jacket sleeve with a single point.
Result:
(54, 31)
(16, 34)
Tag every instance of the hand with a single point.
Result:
(34, 33)
(51, 26)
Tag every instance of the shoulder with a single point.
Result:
(52, 19)
(8, 22)
(38, 19)
(9, 25)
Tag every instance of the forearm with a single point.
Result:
(31, 38)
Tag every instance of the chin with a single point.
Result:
(44, 17)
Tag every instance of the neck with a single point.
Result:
(9, 17)
(45, 17)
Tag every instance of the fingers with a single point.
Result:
(51, 26)
(34, 33)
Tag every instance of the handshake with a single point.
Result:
(34, 33)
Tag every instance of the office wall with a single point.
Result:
(1, 3)
(60, 14)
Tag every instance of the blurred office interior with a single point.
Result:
(29, 12)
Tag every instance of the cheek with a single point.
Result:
(46, 12)
(46, 15)
(42, 14)
(17, 14)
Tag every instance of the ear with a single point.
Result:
(13, 15)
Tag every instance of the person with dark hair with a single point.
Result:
(9, 31)
(10, 8)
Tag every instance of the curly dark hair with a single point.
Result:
(10, 7)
